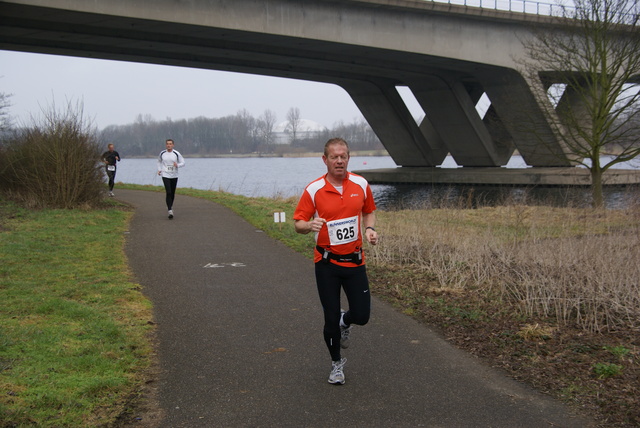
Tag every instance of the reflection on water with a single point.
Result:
(413, 196)
(286, 177)
(409, 196)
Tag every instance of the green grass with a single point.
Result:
(607, 370)
(73, 327)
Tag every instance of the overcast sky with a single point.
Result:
(115, 92)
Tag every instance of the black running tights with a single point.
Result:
(170, 185)
(330, 278)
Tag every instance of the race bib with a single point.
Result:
(111, 167)
(344, 230)
(171, 168)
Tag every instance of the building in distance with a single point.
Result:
(283, 132)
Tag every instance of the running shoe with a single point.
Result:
(337, 374)
(111, 194)
(344, 333)
(170, 214)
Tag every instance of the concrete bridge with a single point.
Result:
(449, 56)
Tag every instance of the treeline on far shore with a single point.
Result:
(286, 152)
(232, 135)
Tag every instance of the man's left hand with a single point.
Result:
(372, 236)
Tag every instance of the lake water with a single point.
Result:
(243, 176)
(286, 177)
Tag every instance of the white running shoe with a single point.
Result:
(337, 374)
(111, 194)
(170, 214)
(344, 333)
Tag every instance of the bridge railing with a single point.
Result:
(522, 6)
(628, 14)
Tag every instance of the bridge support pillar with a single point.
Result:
(518, 112)
(572, 110)
(451, 109)
(407, 143)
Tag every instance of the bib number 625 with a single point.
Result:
(343, 231)
(346, 233)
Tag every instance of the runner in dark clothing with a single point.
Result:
(110, 157)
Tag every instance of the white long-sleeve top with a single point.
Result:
(167, 161)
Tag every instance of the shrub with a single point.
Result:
(54, 162)
(607, 370)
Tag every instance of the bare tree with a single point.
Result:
(293, 116)
(5, 118)
(590, 67)
(246, 132)
(266, 122)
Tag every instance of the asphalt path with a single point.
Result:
(239, 328)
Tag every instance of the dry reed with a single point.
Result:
(575, 265)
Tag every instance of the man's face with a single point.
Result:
(110, 147)
(337, 160)
(169, 145)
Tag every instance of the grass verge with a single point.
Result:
(73, 327)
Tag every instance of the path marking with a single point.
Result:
(222, 265)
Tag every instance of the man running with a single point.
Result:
(336, 207)
(110, 157)
(169, 161)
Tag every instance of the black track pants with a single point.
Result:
(330, 278)
(111, 175)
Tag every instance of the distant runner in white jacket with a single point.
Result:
(169, 161)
